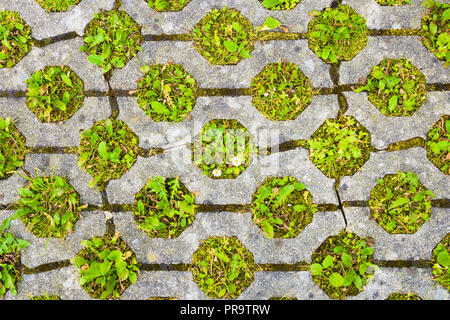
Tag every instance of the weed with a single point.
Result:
(46, 297)
(400, 203)
(403, 296)
(438, 144)
(281, 91)
(436, 28)
(166, 92)
(16, 38)
(167, 5)
(12, 148)
(224, 149)
(282, 207)
(164, 208)
(393, 2)
(107, 266)
(57, 5)
(49, 206)
(112, 39)
(224, 36)
(279, 4)
(107, 151)
(337, 34)
(55, 93)
(340, 147)
(342, 265)
(441, 262)
(396, 87)
(223, 267)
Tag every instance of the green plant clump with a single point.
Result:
(441, 262)
(164, 208)
(438, 144)
(45, 297)
(281, 91)
(12, 148)
(396, 87)
(107, 266)
(167, 5)
(223, 267)
(107, 151)
(337, 34)
(57, 5)
(282, 207)
(15, 37)
(224, 36)
(112, 39)
(403, 296)
(400, 203)
(436, 29)
(55, 93)
(49, 206)
(340, 147)
(279, 4)
(393, 2)
(342, 265)
(166, 92)
(224, 149)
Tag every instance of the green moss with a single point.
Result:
(224, 36)
(107, 266)
(393, 2)
(45, 297)
(282, 207)
(283, 298)
(166, 92)
(342, 265)
(441, 262)
(55, 93)
(400, 203)
(340, 147)
(337, 34)
(12, 148)
(107, 151)
(279, 4)
(16, 38)
(167, 5)
(223, 267)
(403, 296)
(438, 144)
(410, 143)
(163, 298)
(49, 206)
(164, 208)
(396, 87)
(224, 149)
(436, 27)
(57, 5)
(112, 39)
(281, 91)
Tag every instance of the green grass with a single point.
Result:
(167, 5)
(279, 4)
(224, 36)
(107, 151)
(224, 149)
(394, 2)
(337, 34)
(396, 87)
(281, 91)
(400, 203)
(164, 208)
(112, 39)
(403, 296)
(12, 148)
(16, 38)
(166, 92)
(45, 297)
(282, 207)
(54, 94)
(223, 267)
(49, 206)
(107, 266)
(441, 262)
(342, 265)
(340, 147)
(57, 5)
(436, 29)
(438, 144)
